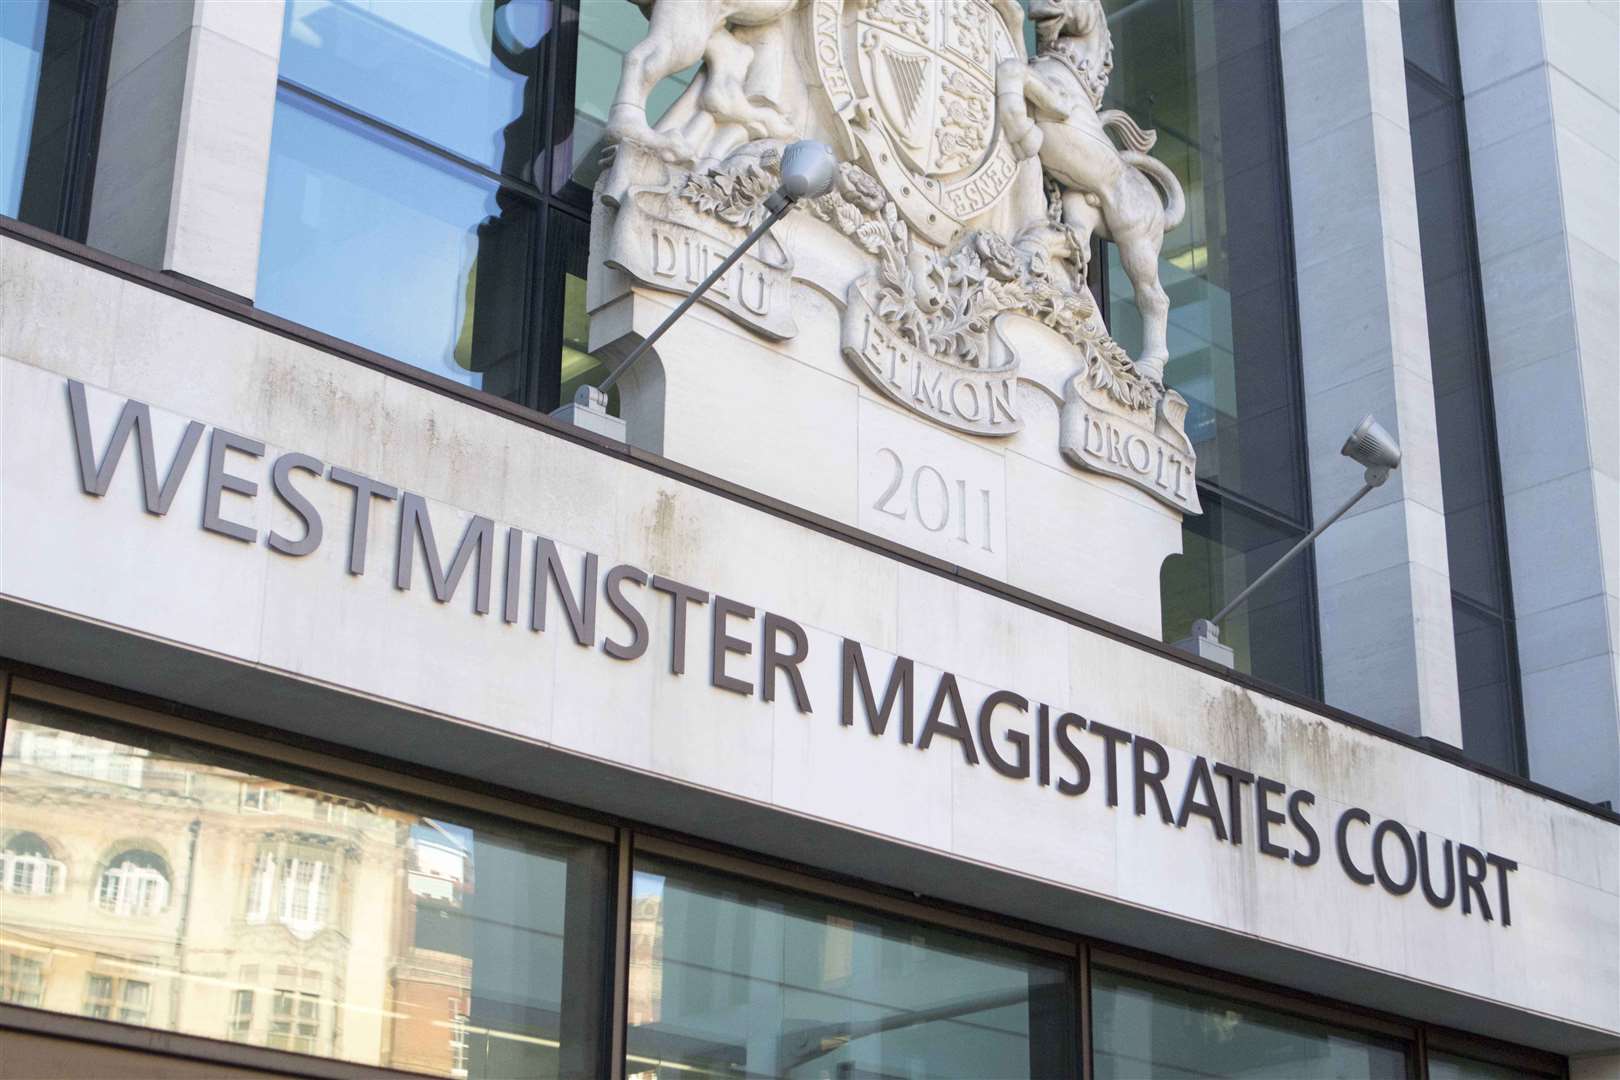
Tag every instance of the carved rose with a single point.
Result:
(857, 187)
(998, 255)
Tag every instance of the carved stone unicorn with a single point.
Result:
(1052, 107)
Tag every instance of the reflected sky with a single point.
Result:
(371, 242)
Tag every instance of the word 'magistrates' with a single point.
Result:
(1019, 739)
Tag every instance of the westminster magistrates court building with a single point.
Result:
(831, 696)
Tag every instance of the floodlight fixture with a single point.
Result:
(808, 168)
(1369, 446)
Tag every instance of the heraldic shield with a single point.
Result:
(922, 109)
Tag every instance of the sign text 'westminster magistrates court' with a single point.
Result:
(1022, 740)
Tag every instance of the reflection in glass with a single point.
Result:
(1487, 686)
(732, 978)
(1273, 635)
(1142, 1028)
(1204, 75)
(204, 896)
(395, 249)
(570, 242)
(460, 75)
(1450, 1067)
(1476, 538)
(606, 33)
(43, 50)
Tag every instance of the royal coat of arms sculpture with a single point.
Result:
(972, 181)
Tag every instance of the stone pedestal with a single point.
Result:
(795, 420)
(912, 351)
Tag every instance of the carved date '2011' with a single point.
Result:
(936, 503)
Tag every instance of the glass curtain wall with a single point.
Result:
(1476, 537)
(1206, 76)
(53, 68)
(734, 978)
(407, 209)
(1143, 1028)
(202, 894)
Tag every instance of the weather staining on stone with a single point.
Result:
(972, 182)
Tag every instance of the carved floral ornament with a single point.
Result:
(973, 179)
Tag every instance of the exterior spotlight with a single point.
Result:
(808, 168)
(1369, 446)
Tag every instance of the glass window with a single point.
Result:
(735, 978)
(294, 928)
(52, 64)
(22, 978)
(1274, 633)
(1447, 1067)
(107, 997)
(606, 31)
(1143, 1028)
(378, 242)
(461, 75)
(27, 867)
(402, 212)
(1459, 362)
(134, 883)
(1205, 76)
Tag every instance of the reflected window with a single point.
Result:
(734, 978)
(22, 977)
(109, 997)
(1205, 75)
(134, 883)
(27, 867)
(293, 883)
(53, 66)
(1145, 1028)
(240, 1026)
(480, 953)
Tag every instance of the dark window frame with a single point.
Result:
(72, 218)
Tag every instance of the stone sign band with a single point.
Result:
(1015, 736)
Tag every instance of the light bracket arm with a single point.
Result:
(777, 204)
(1210, 628)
